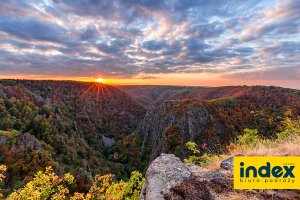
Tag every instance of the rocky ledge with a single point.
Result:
(169, 178)
(167, 171)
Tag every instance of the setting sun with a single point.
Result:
(100, 80)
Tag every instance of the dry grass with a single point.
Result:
(289, 147)
(215, 165)
(286, 143)
(284, 148)
(236, 196)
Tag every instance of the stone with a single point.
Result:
(228, 163)
(194, 168)
(165, 171)
(2, 94)
(22, 141)
(84, 171)
(4, 140)
(28, 140)
(35, 95)
(202, 173)
(48, 103)
(209, 175)
(108, 141)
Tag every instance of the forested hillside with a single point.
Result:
(63, 123)
(60, 124)
(212, 120)
(150, 94)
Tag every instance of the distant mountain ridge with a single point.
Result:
(153, 94)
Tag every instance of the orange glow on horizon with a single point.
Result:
(100, 80)
(204, 79)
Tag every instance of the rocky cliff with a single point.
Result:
(21, 141)
(2, 94)
(190, 120)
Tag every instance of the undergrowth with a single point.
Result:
(285, 143)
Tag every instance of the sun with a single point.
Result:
(100, 80)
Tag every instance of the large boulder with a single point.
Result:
(165, 172)
(228, 163)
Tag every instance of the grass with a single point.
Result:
(286, 143)
(236, 196)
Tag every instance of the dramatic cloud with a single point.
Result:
(143, 39)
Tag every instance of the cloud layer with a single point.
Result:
(234, 39)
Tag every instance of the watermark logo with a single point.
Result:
(266, 172)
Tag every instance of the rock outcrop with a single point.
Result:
(36, 96)
(22, 141)
(28, 140)
(2, 94)
(85, 172)
(192, 120)
(227, 164)
(169, 178)
(167, 171)
(108, 141)
(48, 102)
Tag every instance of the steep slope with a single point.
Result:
(67, 119)
(149, 94)
(211, 123)
(213, 93)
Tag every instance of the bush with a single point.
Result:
(250, 138)
(48, 185)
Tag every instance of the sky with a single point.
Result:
(159, 42)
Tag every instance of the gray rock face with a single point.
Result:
(194, 168)
(48, 103)
(35, 95)
(84, 171)
(27, 140)
(89, 105)
(4, 140)
(22, 141)
(191, 123)
(208, 175)
(165, 172)
(108, 141)
(228, 163)
(2, 94)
